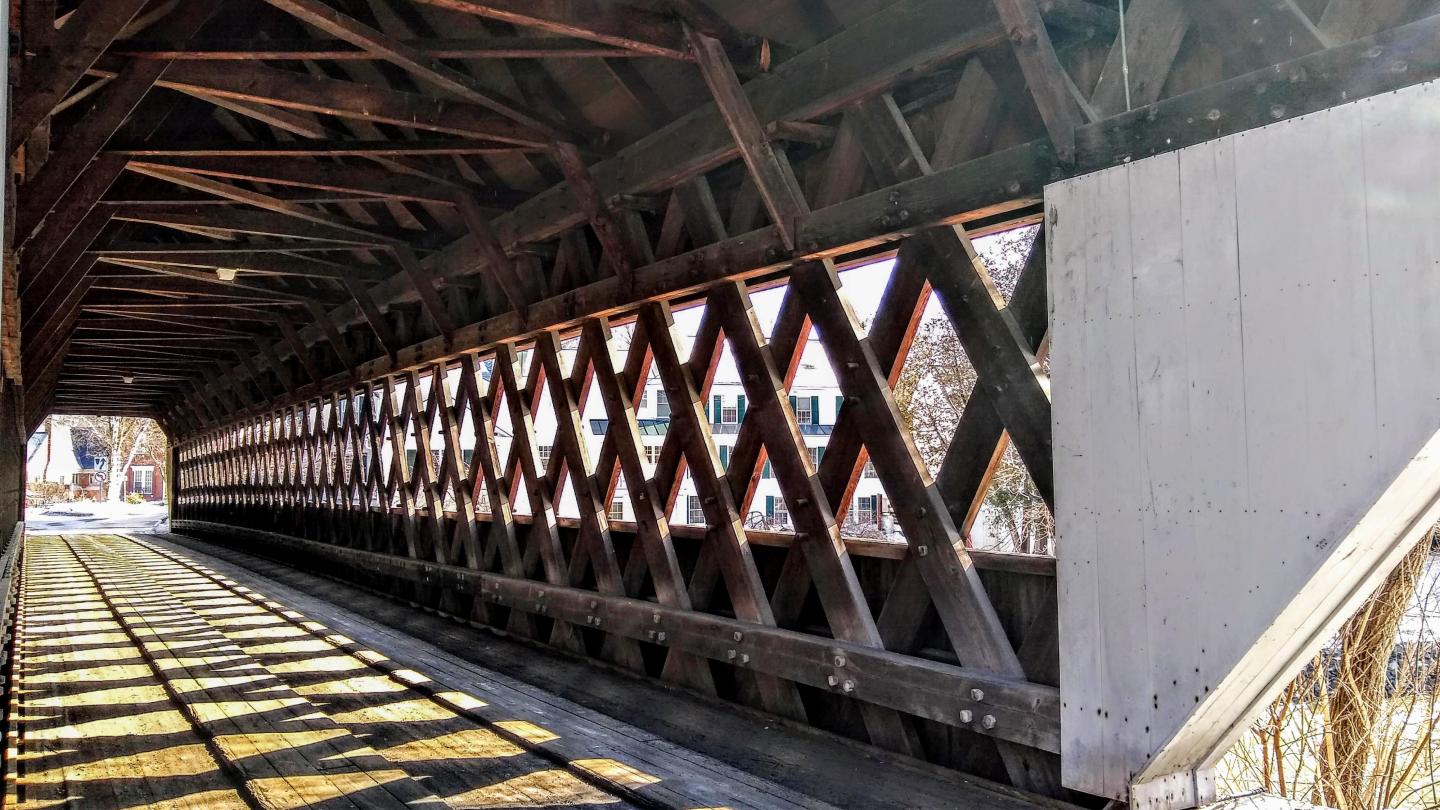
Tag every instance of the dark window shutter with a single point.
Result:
(740, 407)
(765, 473)
(839, 401)
(725, 456)
(814, 410)
(769, 506)
(794, 404)
(715, 415)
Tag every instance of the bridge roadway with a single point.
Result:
(151, 674)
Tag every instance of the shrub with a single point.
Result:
(134, 498)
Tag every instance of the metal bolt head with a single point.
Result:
(988, 721)
(832, 680)
(966, 716)
(977, 695)
(661, 636)
(839, 660)
(655, 617)
(744, 658)
(739, 636)
(922, 550)
(849, 686)
(730, 654)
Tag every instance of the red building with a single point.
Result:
(144, 478)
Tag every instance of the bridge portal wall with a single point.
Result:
(1246, 386)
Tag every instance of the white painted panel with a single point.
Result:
(1246, 386)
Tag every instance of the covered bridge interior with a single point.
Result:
(329, 245)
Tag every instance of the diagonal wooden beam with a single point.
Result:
(202, 282)
(340, 50)
(389, 343)
(1154, 30)
(424, 280)
(620, 249)
(499, 266)
(332, 334)
(344, 99)
(46, 80)
(331, 147)
(420, 64)
(1252, 34)
(1046, 77)
(1347, 20)
(622, 26)
(238, 220)
(268, 202)
(784, 201)
(307, 173)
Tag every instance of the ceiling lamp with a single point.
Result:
(225, 273)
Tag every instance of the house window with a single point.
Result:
(694, 514)
(869, 471)
(644, 398)
(776, 511)
(662, 404)
(652, 453)
(545, 455)
(144, 480)
(729, 414)
(466, 456)
(867, 509)
(804, 410)
(617, 509)
(816, 453)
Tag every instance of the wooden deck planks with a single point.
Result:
(149, 684)
(84, 679)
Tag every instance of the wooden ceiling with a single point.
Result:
(222, 205)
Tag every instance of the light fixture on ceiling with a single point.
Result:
(128, 379)
(225, 273)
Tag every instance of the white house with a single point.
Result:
(815, 398)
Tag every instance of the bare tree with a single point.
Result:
(1356, 729)
(118, 438)
(935, 386)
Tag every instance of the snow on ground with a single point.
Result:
(1261, 801)
(95, 516)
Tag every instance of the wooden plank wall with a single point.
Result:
(1245, 382)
